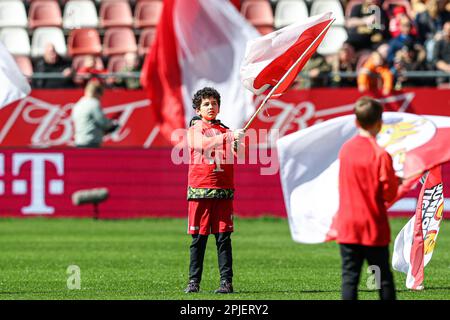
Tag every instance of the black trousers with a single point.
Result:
(353, 257)
(224, 254)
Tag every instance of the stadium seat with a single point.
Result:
(80, 14)
(350, 5)
(16, 40)
(115, 14)
(333, 40)
(44, 35)
(25, 65)
(13, 14)
(119, 41)
(44, 13)
(77, 62)
(147, 13)
(290, 11)
(319, 7)
(84, 41)
(258, 13)
(146, 39)
(116, 63)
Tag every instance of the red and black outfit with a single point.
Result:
(210, 195)
(366, 182)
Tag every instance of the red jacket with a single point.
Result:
(211, 156)
(366, 182)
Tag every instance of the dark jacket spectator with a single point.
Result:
(441, 56)
(344, 61)
(367, 25)
(398, 42)
(412, 57)
(52, 62)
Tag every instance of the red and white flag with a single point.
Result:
(198, 43)
(414, 245)
(278, 57)
(309, 165)
(13, 84)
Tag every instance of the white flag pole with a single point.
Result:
(285, 76)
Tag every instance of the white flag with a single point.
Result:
(13, 84)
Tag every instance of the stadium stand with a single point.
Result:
(116, 63)
(147, 13)
(115, 14)
(145, 40)
(259, 14)
(44, 35)
(44, 13)
(13, 14)
(80, 14)
(84, 41)
(16, 40)
(290, 11)
(110, 28)
(119, 40)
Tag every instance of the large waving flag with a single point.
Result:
(309, 166)
(277, 58)
(13, 85)
(198, 43)
(414, 245)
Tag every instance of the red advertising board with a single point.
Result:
(39, 172)
(141, 183)
(43, 118)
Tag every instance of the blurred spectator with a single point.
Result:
(441, 56)
(344, 61)
(89, 121)
(372, 71)
(399, 13)
(132, 64)
(52, 62)
(89, 70)
(316, 69)
(367, 25)
(418, 6)
(411, 57)
(397, 43)
(430, 24)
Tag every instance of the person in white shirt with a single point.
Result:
(88, 118)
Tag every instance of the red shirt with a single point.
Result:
(366, 181)
(211, 156)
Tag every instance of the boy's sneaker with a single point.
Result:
(225, 287)
(193, 287)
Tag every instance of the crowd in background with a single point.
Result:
(381, 48)
(381, 51)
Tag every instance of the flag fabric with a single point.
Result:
(309, 166)
(198, 43)
(268, 58)
(13, 84)
(414, 245)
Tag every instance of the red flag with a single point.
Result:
(161, 75)
(277, 58)
(198, 43)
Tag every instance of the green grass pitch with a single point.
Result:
(148, 259)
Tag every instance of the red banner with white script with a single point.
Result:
(43, 118)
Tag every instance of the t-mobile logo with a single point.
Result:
(37, 179)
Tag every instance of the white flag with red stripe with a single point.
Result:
(309, 165)
(414, 245)
(198, 43)
(13, 84)
(283, 52)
